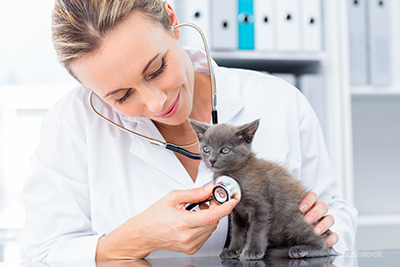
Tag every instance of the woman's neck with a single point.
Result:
(201, 111)
(202, 105)
(183, 134)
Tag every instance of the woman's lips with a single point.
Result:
(172, 110)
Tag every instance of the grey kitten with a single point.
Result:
(268, 212)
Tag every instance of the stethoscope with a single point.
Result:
(176, 148)
(225, 188)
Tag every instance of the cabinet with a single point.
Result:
(376, 146)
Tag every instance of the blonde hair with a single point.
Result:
(79, 26)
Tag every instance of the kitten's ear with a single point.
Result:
(247, 131)
(199, 128)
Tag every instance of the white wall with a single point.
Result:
(27, 55)
(31, 80)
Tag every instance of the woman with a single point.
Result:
(98, 193)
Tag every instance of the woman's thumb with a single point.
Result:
(196, 195)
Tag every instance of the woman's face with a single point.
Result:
(142, 71)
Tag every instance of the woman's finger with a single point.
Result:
(327, 222)
(213, 214)
(332, 239)
(181, 198)
(316, 213)
(308, 201)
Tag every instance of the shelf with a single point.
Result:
(264, 55)
(296, 63)
(370, 220)
(369, 90)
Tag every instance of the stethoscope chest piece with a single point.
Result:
(225, 189)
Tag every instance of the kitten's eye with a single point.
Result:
(225, 150)
(206, 149)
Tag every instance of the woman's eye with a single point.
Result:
(157, 72)
(121, 100)
(206, 149)
(225, 150)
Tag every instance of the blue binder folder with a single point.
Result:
(246, 24)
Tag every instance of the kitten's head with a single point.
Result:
(224, 146)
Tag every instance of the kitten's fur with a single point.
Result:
(269, 209)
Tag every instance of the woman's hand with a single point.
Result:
(313, 212)
(165, 225)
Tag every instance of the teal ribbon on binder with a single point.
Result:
(246, 24)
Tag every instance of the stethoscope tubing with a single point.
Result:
(210, 67)
(176, 148)
(153, 141)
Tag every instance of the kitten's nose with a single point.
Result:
(212, 161)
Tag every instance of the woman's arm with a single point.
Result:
(165, 225)
(59, 226)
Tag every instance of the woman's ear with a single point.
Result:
(174, 19)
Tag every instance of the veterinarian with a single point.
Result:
(97, 192)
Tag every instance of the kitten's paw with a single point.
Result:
(231, 263)
(254, 264)
(298, 263)
(297, 252)
(230, 254)
(254, 254)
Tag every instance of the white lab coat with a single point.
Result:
(90, 177)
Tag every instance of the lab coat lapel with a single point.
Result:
(229, 101)
(158, 157)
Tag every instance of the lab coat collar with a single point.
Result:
(229, 100)
(228, 105)
(160, 158)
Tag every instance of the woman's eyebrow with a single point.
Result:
(143, 73)
(149, 63)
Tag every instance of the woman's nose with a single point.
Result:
(154, 99)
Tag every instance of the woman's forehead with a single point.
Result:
(128, 48)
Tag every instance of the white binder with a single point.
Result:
(358, 41)
(264, 25)
(197, 12)
(311, 25)
(313, 88)
(224, 24)
(379, 42)
(288, 25)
